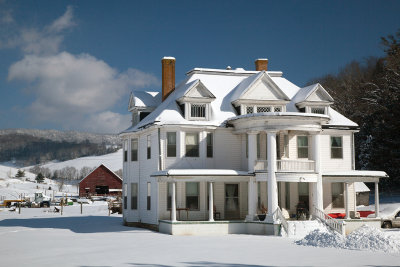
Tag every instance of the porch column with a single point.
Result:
(252, 150)
(211, 202)
(376, 200)
(252, 199)
(317, 187)
(173, 203)
(272, 185)
(347, 205)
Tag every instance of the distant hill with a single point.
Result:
(26, 147)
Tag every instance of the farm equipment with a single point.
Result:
(41, 200)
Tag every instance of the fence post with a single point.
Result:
(81, 207)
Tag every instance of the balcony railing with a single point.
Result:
(287, 165)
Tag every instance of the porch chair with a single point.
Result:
(263, 209)
(216, 213)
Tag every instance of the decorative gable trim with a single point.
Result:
(314, 95)
(197, 93)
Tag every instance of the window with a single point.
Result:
(126, 151)
(258, 146)
(134, 149)
(304, 194)
(143, 115)
(148, 196)
(263, 109)
(336, 147)
(286, 145)
(277, 109)
(287, 195)
(192, 195)
(259, 195)
(247, 145)
(197, 110)
(249, 110)
(318, 110)
(302, 146)
(125, 196)
(209, 145)
(149, 147)
(171, 144)
(134, 195)
(192, 144)
(169, 196)
(337, 195)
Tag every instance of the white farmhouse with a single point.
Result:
(236, 151)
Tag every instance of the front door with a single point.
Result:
(232, 210)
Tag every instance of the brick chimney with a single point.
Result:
(168, 76)
(261, 64)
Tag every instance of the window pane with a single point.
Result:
(148, 195)
(134, 150)
(209, 145)
(134, 192)
(171, 144)
(198, 110)
(192, 144)
(302, 146)
(337, 195)
(249, 110)
(258, 146)
(303, 189)
(192, 189)
(192, 195)
(148, 146)
(336, 147)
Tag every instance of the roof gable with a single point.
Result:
(259, 86)
(313, 93)
(197, 90)
(143, 99)
(104, 167)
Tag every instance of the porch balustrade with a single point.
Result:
(334, 224)
(287, 165)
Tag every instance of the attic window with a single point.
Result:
(143, 115)
(263, 109)
(277, 109)
(249, 110)
(318, 110)
(198, 110)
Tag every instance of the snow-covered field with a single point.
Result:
(38, 238)
(113, 161)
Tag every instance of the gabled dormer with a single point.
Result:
(195, 101)
(313, 99)
(142, 103)
(259, 93)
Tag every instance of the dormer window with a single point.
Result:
(318, 110)
(247, 109)
(198, 111)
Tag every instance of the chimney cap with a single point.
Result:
(261, 59)
(228, 67)
(172, 58)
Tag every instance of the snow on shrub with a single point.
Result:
(363, 238)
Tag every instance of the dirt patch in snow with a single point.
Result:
(364, 238)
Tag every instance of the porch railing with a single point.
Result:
(287, 165)
(330, 222)
(277, 215)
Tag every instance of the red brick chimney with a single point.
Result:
(168, 76)
(261, 64)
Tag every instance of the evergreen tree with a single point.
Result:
(20, 174)
(39, 178)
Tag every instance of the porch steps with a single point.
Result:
(299, 229)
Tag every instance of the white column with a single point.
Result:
(272, 185)
(252, 150)
(376, 200)
(252, 199)
(318, 199)
(211, 202)
(173, 203)
(347, 204)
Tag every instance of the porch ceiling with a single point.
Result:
(354, 176)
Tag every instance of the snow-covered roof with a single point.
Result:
(360, 187)
(225, 85)
(144, 99)
(304, 93)
(201, 172)
(355, 173)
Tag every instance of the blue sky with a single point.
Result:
(71, 65)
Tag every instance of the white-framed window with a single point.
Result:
(302, 147)
(249, 110)
(125, 195)
(318, 110)
(286, 146)
(171, 144)
(148, 196)
(336, 147)
(210, 145)
(277, 109)
(263, 109)
(125, 151)
(192, 145)
(149, 147)
(198, 111)
(337, 195)
(193, 195)
(258, 146)
(134, 149)
(134, 196)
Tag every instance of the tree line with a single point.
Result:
(368, 93)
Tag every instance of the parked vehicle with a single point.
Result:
(391, 219)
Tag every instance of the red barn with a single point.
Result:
(101, 181)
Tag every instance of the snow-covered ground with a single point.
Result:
(38, 238)
(113, 161)
(12, 188)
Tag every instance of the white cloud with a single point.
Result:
(33, 40)
(75, 90)
(107, 122)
